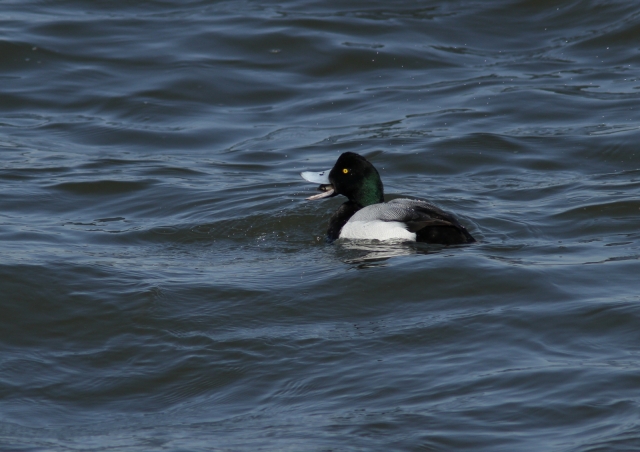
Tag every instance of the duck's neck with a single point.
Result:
(371, 192)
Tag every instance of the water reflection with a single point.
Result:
(374, 253)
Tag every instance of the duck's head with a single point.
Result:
(352, 176)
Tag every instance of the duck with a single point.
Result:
(366, 216)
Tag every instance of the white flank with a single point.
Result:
(376, 230)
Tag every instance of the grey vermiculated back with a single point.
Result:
(400, 209)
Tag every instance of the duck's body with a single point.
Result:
(366, 216)
(402, 219)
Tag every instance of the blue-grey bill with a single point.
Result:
(325, 194)
(316, 178)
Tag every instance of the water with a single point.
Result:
(166, 287)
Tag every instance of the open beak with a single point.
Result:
(328, 193)
(317, 178)
(321, 178)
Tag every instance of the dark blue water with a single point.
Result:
(164, 285)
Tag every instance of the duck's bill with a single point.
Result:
(327, 192)
(316, 178)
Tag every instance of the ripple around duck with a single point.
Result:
(162, 272)
(104, 187)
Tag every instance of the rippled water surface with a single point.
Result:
(165, 285)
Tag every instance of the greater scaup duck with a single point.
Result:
(366, 216)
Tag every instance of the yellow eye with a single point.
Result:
(345, 171)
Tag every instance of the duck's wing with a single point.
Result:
(430, 223)
(415, 213)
